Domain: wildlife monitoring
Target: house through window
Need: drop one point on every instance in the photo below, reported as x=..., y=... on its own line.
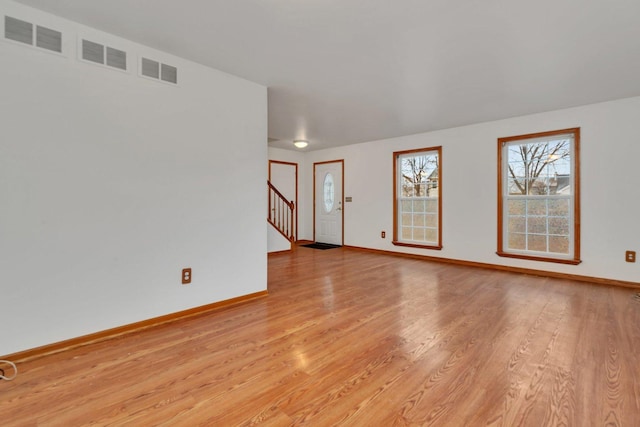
x=417, y=188
x=538, y=196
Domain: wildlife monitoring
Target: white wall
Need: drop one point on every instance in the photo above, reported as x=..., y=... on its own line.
x=276, y=242
x=609, y=183
x=110, y=184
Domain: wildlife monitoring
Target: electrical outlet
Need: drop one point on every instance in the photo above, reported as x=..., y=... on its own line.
x=630, y=256
x=383, y=234
x=186, y=276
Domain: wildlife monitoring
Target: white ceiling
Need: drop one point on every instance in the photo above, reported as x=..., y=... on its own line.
x=346, y=71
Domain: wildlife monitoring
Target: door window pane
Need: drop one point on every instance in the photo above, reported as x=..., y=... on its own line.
x=328, y=191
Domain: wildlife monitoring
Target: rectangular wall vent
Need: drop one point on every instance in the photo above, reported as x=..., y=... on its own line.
x=158, y=71
x=150, y=68
x=169, y=73
x=17, y=30
x=49, y=39
x=93, y=52
x=23, y=32
x=105, y=55
x=116, y=58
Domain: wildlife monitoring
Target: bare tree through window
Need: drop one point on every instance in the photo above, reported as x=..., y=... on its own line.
x=417, y=198
x=420, y=175
x=536, y=168
x=538, y=201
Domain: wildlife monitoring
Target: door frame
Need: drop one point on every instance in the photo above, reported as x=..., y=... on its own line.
x=341, y=161
x=295, y=165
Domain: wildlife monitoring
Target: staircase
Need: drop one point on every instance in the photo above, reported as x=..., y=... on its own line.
x=280, y=214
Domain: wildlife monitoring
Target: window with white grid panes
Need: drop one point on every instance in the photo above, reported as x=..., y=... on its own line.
x=417, y=198
x=538, y=198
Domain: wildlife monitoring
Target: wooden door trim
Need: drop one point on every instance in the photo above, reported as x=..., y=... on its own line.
x=341, y=161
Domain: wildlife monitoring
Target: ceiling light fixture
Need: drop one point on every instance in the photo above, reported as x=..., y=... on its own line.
x=300, y=143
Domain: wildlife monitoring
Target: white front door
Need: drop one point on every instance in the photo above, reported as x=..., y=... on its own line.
x=328, y=202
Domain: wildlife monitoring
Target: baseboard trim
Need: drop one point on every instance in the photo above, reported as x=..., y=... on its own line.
x=286, y=251
x=533, y=272
x=108, y=334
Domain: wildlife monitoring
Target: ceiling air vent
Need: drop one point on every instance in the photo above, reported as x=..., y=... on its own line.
x=158, y=71
x=22, y=31
x=105, y=55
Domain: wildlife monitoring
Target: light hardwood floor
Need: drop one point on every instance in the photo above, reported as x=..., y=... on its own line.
x=354, y=338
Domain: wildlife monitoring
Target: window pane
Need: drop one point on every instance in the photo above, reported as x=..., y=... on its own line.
x=540, y=186
x=431, y=206
x=559, y=225
x=417, y=171
x=536, y=242
x=537, y=207
x=540, y=167
x=517, y=185
x=537, y=224
x=516, y=207
x=431, y=220
x=328, y=192
x=418, y=220
x=431, y=235
x=406, y=233
x=517, y=241
x=559, y=244
x=516, y=224
x=559, y=207
x=418, y=234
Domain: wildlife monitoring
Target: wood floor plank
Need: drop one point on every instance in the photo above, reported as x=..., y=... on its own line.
x=353, y=338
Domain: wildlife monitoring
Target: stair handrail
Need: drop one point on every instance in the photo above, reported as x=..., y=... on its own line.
x=280, y=213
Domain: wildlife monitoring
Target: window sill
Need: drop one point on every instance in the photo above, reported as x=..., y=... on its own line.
x=414, y=245
x=538, y=258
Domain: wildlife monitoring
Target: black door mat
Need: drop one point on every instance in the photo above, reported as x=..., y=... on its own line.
x=322, y=246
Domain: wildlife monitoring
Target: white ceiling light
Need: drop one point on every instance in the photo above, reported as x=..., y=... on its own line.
x=300, y=143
